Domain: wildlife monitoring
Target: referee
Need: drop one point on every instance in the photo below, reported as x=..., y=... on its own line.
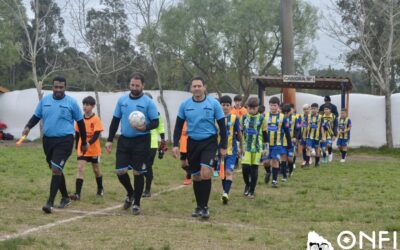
x=200, y=112
x=58, y=112
x=133, y=145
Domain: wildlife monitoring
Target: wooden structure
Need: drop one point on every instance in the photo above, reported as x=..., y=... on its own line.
x=300, y=82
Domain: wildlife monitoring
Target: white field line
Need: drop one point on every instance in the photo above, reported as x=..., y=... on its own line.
x=60, y=222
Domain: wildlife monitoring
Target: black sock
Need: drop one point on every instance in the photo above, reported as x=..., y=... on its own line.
x=228, y=184
x=149, y=180
x=99, y=181
x=205, y=192
x=275, y=172
x=294, y=158
x=323, y=152
x=283, y=169
x=196, y=190
x=223, y=184
x=254, y=177
x=63, y=186
x=78, y=186
x=305, y=154
x=139, y=186
x=316, y=160
x=344, y=153
x=54, y=185
x=329, y=150
x=246, y=174
x=126, y=182
x=188, y=175
x=290, y=165
x=268, y=169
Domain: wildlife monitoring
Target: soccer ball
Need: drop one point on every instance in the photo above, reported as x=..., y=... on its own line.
x=137, y=118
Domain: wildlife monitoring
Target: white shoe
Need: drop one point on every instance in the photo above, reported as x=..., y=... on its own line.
x=330, y=157
x=343, y=160
x=284, y=179
x=313, y=153
x=294, y=165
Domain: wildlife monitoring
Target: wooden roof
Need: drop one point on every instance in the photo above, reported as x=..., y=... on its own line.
x=3, y=90
x=334, y=83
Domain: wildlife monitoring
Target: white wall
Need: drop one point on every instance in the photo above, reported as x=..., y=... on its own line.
x=367, y=112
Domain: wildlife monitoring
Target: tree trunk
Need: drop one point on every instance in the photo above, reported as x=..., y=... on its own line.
x=388, y=118
x=96, y=94
x=162, y=100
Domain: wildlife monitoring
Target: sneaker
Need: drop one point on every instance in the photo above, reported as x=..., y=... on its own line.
x=274, y=184
x=330, y=157
x=48, y=208
x=310, y=161
x=135, y=210
x=284, y=179
x=216, y=174
x=343, y=160
x=187, y=181
x=267, y=177
x=246, y=190
x=225, y=198
x=65, y=201
x=196, y=212
x=294, y=165
x=205, y=214
x=75, y=197
x=100, y=192
x=251, y=195
x=146, y=194
x=128, y=202
x=303, y=163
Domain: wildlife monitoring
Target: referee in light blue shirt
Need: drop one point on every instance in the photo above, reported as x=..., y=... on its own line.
x=200, y=112
x=58, y=112
x=133, y=145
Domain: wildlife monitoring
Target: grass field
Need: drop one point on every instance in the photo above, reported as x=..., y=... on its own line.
x=361, y=195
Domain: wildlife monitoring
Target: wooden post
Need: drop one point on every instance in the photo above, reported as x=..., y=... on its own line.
x=261, y=92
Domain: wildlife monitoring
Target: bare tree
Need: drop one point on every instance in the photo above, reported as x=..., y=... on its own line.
x=147, y=14
x=371, y=35
x=101, y=57
x=35, y=34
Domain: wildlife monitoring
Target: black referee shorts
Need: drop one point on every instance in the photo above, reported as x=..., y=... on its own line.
x=57, y=150
x=201, y=153
x=132, y=153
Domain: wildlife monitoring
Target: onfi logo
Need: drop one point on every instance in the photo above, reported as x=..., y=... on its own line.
x=317, y=242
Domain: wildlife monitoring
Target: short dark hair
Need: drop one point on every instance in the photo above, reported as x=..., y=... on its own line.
x=328, y=106
x=138, y=76
x=253, y=102
x=291, y=105
x=261, y=109
x=199, y=78
x=238, y=98
x=89, y=100
x=60, y=79
x=327, y=98
x=314, y=105
x=286, y=108
x=274, y=100
x=226, y=99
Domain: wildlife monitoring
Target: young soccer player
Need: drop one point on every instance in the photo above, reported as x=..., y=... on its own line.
x=329, y=123
x=314, y=133
x=304, y=119
x=156, y=134
x=277, y=126
x=234, y=135
x=254, y=135
x=183, y=156
x=287, y=156
x=93, y=127
x=237, y=109
x=344, y=134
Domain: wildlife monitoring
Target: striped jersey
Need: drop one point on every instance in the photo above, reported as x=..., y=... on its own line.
x=294, y=126
x=344, y=125
x=329, y=123
x=314, y=127
x=304, y=125
x=276, y=124
x=253, y=126
x=232, y=129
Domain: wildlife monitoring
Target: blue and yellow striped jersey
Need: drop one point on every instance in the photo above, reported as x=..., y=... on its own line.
x=276, y=123
x=253, y=126
x=314, y=127
x=293, y=121
x=232, y=129
x=329, y=123
x=304, y=125
x=344, y=125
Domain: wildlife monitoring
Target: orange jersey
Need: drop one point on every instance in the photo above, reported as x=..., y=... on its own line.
x=183, y=140
x=239, y=112
x=92, y=125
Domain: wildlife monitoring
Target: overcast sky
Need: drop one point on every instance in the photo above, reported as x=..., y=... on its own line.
x=328, y=49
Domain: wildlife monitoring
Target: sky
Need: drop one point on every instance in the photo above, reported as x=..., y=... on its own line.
x=329, y=50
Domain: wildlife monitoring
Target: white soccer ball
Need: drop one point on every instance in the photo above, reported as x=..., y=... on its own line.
x=137, y=118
